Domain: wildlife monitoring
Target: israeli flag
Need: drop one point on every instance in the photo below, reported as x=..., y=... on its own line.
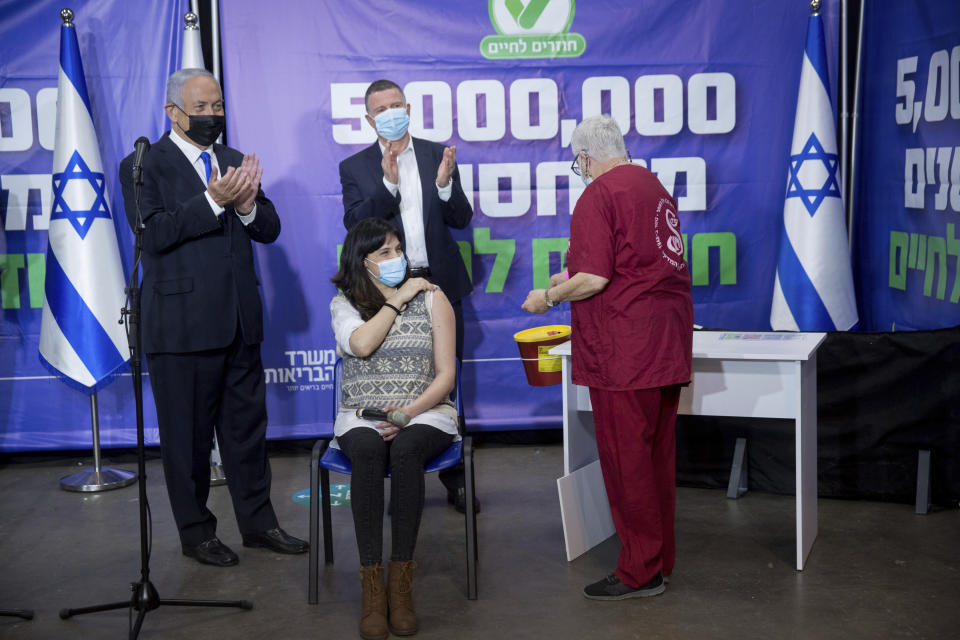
x=81, y=339
x=813, y=290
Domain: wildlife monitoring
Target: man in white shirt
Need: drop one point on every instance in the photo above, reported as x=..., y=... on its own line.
x=415, y=184
x=202, y=321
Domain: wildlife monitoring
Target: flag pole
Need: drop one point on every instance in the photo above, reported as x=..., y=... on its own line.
x=106, y=356
x=854, y=138
x=215, y=38
x=191, y=56
x=97, y=478
x=844, y=99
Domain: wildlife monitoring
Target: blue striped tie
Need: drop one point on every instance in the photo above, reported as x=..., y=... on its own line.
x=206, y=164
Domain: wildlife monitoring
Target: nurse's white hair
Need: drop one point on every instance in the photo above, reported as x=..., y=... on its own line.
x=176, y=81
x=600, y=137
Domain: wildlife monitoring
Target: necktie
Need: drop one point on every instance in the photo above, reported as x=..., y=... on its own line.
x=206, y=164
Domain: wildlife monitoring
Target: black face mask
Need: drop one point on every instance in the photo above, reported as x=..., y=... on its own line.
x=204, y=130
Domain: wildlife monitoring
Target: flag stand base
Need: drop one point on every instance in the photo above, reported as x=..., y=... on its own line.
x=91, y=480
x=217, y=475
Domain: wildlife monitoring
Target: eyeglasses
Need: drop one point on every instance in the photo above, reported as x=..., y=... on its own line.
x=575, y=168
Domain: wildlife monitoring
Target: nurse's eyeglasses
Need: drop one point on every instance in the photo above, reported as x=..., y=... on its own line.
x=575, y=168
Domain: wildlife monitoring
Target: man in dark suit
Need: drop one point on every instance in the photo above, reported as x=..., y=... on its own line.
x=415, y=184
x=202, y=318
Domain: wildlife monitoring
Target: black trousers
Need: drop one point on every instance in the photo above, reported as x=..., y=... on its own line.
x=405, y=456
x=195, y=393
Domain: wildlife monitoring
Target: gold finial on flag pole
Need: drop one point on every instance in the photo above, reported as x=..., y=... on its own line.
x=67, y=16
x=815, y=6
x=190, y=21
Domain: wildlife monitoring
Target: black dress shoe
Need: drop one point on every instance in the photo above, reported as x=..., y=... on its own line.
x=276, y=540
x=213, y=552
x=458, y=499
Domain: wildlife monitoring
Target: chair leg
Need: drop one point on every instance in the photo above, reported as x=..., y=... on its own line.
x=327, y=519
x=922, y=506
x=314, y=560
x=470, y=519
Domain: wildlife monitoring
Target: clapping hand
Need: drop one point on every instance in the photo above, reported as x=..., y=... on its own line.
x=244, y=201
x=238, y=186
x=224, y=190
x=447, y=165
x=389, y=163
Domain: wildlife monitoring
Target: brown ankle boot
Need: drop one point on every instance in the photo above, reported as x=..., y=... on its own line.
x=403, y=619
x=373, y=619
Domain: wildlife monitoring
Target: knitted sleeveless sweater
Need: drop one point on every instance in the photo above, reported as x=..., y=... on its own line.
x=401, y=368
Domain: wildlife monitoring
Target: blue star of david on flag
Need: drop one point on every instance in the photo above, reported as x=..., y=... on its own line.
x=81, y=219
x=811, y=198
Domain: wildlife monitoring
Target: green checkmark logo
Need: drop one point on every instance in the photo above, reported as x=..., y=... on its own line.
x=527, y=16
x=532, y=29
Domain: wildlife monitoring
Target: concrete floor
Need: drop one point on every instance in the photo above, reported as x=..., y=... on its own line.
x=876, y=570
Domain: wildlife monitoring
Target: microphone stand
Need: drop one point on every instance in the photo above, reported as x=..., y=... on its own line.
x=26, y=614
x=144, y=597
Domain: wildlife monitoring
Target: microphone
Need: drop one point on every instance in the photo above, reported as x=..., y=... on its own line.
x=397, y=417
x=141, y=146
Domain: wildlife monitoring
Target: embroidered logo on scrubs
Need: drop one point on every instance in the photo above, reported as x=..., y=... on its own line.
x=666, y=229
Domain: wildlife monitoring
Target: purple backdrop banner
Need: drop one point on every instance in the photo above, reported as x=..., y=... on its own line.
x=907, y=231
x=704, y=93
x=128, y=50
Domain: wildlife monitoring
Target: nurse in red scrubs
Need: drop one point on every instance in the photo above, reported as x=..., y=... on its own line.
x=629, y=288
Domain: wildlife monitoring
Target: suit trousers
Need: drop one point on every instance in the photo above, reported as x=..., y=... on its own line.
x=636, y=440
x=195, y=393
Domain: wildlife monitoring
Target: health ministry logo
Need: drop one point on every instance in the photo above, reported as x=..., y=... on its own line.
x=532, y=29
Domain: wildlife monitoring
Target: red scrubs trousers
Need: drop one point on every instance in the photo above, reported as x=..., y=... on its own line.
x=637, y=445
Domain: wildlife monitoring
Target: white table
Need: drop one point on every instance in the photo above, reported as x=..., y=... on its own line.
x=745, y=374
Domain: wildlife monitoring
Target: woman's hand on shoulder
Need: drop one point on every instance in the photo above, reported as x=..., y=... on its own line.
x=411, y=288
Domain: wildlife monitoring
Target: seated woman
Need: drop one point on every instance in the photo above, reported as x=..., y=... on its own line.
x=397, y=339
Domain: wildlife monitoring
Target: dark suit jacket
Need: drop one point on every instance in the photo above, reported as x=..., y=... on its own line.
x=198, y=273
x=364, y=196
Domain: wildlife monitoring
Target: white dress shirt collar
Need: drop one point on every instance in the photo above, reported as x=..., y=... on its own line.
x=189, y=149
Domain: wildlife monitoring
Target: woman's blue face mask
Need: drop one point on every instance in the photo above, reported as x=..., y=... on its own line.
x=392, y=271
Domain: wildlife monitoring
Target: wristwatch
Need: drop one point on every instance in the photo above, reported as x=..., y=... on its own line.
x=546, y=297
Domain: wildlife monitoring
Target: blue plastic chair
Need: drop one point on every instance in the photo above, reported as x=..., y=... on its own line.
x=325, y=459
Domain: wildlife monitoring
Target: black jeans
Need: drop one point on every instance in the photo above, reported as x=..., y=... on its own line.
x=405, y=456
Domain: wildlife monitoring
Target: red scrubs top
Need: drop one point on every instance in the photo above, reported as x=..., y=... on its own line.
x=638, y=332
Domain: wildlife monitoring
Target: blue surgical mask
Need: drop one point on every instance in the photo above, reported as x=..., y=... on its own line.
x=392, y=271
x=392, y=123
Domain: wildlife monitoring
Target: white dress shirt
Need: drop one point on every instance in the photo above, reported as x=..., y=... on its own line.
x=411, y=204
x=192, y=152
